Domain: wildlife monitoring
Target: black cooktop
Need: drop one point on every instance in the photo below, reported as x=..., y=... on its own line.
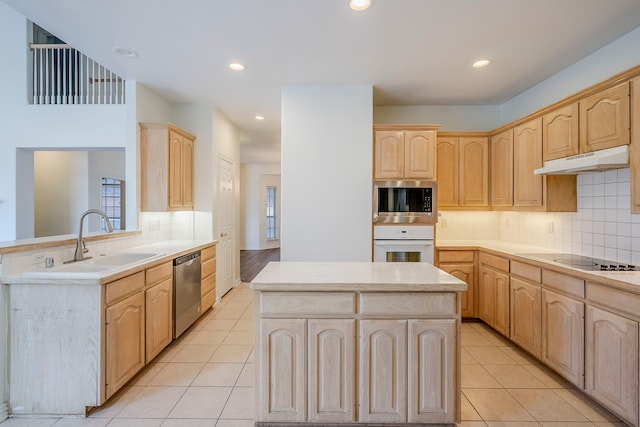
x=584, y=262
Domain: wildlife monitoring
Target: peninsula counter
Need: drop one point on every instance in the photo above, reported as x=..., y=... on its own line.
x=357, y=342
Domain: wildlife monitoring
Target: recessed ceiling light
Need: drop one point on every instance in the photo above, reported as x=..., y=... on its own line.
x=259, y=117
x=481, y=63
x=359, y=5
x=125, y=52
x=236, y=66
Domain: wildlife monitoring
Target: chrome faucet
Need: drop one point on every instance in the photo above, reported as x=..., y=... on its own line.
x=81, y=249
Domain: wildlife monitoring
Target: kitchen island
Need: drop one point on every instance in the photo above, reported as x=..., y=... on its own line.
x=357, y=342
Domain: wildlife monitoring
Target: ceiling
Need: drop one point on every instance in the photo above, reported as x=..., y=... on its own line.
x=414, y=52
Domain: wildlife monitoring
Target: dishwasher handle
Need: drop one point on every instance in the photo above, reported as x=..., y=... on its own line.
x=186, y=258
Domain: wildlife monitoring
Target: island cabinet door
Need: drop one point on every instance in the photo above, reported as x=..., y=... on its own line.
x=332, y=375
x=431, y=371
x=383, y=371
x=282, y=355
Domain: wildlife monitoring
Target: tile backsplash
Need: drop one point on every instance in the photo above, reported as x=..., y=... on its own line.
x=603, y=227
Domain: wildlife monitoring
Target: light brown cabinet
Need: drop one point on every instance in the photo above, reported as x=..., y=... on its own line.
x=208, y=281
x=604, y=119
x=125, y=340
x=634, y=148
x=563, y=336
x=611, y=362
x=166, y=156
x=493, y=292
x=461, y=264
x=527, y=156
x=502, y=169
x=560, y=136
x=526, y=300
x=158, y=309
x=404, y=154
x=463, y=172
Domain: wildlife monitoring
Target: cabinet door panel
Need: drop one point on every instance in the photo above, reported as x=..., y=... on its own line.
x=502, y=306
x=474, y=171
x=420, y=151
x=464, y=272
x=525, y=316
x=604, y=119
x=563, y=336
x=187, y=172
x=159, y=318
x=332, y=370
x=611, y=362
x=282, y=355
x=486, y=295
x=175, y=170
x=125, y=333
x=383, y=375
x=447, y=178
x=431, y=371
x=527, y=156
x=502, y=169
x=560, y=133
x=389, y=154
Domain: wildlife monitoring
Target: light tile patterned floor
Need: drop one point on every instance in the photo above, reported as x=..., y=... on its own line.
x=205, y=379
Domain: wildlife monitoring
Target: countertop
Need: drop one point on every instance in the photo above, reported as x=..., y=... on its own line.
x=161, y=251
x=625, y=280
x=355, y=276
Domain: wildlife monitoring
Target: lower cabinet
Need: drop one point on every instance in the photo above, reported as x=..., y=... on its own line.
x=563, y=336
x=493, y=289
x=611, y=362
x=125, y=341
x=466, y=273
x=159, y=318
x=405, y=370
x=525, y=315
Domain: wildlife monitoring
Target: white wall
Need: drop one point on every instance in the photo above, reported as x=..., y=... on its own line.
x=254, y=179
x=461, y=118
x=326, y=173
x=61, y=191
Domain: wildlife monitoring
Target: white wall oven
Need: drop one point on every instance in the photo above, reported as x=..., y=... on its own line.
x=403, y=243
x=404, y=202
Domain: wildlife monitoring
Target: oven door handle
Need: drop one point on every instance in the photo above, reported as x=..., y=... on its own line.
x=404, y=242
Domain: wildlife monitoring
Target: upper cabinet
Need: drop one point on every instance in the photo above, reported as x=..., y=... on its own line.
x=527, y=156
x=463, y=172
x=560, y=133
x=404, y=153
x=502, y=169
x=166, y=154
x=634, y=148
x=604, y=119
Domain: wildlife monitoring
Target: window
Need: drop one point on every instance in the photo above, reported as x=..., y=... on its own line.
x=112, y=203
x=272, y=232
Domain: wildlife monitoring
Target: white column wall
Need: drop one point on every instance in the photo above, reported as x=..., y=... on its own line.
x=327, y=156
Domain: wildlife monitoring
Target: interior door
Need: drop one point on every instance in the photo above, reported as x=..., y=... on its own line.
x=225, y=251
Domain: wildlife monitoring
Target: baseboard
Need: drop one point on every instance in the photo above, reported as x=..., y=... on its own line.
x=4, y=411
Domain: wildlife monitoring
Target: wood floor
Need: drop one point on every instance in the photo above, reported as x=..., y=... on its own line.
x=251, y=262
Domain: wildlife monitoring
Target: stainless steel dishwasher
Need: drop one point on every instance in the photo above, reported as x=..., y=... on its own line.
x=186, y=291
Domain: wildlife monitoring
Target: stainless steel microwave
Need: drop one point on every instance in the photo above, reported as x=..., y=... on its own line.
x=405, y=202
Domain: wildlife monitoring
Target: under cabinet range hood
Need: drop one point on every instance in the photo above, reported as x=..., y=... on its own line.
x=610, y=158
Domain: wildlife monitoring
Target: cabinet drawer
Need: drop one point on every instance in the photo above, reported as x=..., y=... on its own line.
x=567, y=284
x=526, y=271
x=616, y=299
x=208, y=253
x=208, y=283
x=207, y=301
x=159, y=272
x=494, y=261
x=120, y=288
x=208, y=267
x=307, y=303
x=407, y=303
x=455, y=256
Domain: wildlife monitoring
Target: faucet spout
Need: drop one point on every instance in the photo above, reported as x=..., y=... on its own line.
x=80, y=249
